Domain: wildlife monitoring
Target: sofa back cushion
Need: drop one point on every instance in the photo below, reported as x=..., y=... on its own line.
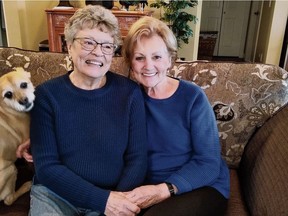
x=263, y=169
x=242, y=95
x=41, y=65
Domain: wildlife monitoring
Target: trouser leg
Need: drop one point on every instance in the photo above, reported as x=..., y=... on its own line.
x=45, y=202
x=204, y=201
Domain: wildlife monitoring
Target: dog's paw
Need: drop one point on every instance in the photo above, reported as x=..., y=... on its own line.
x=26, y=186
x=9, y=200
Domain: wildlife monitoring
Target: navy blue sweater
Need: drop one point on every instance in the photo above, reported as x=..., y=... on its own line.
x=88, y=142
x=183, y=141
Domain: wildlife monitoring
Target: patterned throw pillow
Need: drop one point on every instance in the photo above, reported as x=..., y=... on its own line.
x=243, y=97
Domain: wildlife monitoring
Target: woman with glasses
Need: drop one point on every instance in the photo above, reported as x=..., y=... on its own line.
x=88, y=137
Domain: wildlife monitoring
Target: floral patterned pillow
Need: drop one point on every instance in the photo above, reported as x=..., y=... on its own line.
x=243, y=97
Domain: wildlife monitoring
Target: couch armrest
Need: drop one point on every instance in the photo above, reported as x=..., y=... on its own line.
x=264, y=168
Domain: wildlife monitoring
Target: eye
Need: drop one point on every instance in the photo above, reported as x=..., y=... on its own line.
x=8, y=94
x=107, y=46
x=24, y=85
x=88, y=42
x=157, y=57
x=139, y=58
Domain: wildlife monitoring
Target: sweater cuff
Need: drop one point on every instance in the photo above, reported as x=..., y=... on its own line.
x=182, y=184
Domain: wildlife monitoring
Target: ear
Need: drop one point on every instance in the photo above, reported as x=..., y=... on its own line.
x=21, y=70
x=28, y=74
x=131, y=73
x=69, y=45
x=170, y=62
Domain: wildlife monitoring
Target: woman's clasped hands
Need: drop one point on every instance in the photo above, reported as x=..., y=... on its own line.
x=148, y=195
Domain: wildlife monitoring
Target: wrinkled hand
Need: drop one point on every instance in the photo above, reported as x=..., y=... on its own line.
x=148, y=195
x=22, y=151
x=118, y=204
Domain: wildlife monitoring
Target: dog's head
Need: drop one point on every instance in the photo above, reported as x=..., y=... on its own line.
x=17, y=90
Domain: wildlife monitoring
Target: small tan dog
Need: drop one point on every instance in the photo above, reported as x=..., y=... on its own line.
x=17, y=97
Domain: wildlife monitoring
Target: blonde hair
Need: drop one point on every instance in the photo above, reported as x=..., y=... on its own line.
x=92, y=16
x=148, y=27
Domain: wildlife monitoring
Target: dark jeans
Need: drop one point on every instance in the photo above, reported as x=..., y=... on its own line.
x=204, y=201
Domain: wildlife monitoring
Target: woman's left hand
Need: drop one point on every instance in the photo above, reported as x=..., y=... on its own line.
x=23, y=151
x=148, y=195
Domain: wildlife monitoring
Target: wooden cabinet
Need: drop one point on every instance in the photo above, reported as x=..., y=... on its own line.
x=56, y=19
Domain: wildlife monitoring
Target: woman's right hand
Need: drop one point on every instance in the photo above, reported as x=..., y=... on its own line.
x=118, y=204
x=23, y=151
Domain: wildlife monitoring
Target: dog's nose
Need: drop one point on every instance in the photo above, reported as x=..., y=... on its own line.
x=24, y=101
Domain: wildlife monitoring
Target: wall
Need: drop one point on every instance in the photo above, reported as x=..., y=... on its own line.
x=26, y=22
x=276, y=36
x=272, y=29
x=190, y=51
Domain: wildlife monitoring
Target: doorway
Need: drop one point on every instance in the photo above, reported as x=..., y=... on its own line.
x=237, y=24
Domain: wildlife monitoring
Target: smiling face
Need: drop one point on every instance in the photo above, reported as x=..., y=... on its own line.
x=90, y=65
x=150, y=61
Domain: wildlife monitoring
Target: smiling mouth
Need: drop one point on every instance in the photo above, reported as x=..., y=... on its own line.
x=149, y=74
x=100, y=64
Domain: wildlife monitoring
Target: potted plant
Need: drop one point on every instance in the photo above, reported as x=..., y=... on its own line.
x=177, y=19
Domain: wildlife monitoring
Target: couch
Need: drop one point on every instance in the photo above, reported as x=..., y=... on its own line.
x=250, y=105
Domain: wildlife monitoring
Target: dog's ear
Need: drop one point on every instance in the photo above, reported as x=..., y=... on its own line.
x=21, y=70
x=28, y=74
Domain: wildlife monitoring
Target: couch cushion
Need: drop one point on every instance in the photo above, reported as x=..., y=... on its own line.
x=41, y=65
x=264, y=168
x=236, y=203
x=243, y=96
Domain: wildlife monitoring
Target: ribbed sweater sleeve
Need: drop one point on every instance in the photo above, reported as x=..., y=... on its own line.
x=87, y=143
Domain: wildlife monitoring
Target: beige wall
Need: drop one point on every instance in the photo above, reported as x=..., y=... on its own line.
x=272, y=29
x=26, y=22
x=276, y=36
x=190, y=51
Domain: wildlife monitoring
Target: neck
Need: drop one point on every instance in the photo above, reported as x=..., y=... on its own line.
x=85, y=82
x=164, y=89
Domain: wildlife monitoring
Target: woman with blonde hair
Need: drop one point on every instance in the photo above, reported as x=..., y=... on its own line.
x=186, y=174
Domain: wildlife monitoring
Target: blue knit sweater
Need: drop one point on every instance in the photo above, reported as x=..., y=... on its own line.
x=88, y=142
x=183, y=142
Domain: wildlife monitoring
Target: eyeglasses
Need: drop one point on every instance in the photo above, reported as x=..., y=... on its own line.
x=90, y=44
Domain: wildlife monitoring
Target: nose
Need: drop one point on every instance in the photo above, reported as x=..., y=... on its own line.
x=23, y=101
x=148, y=64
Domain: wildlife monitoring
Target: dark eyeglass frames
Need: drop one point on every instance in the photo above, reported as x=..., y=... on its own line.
x=90, y=44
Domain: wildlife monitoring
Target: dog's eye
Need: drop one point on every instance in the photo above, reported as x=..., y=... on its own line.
x=23, y=85
x=8, y=94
